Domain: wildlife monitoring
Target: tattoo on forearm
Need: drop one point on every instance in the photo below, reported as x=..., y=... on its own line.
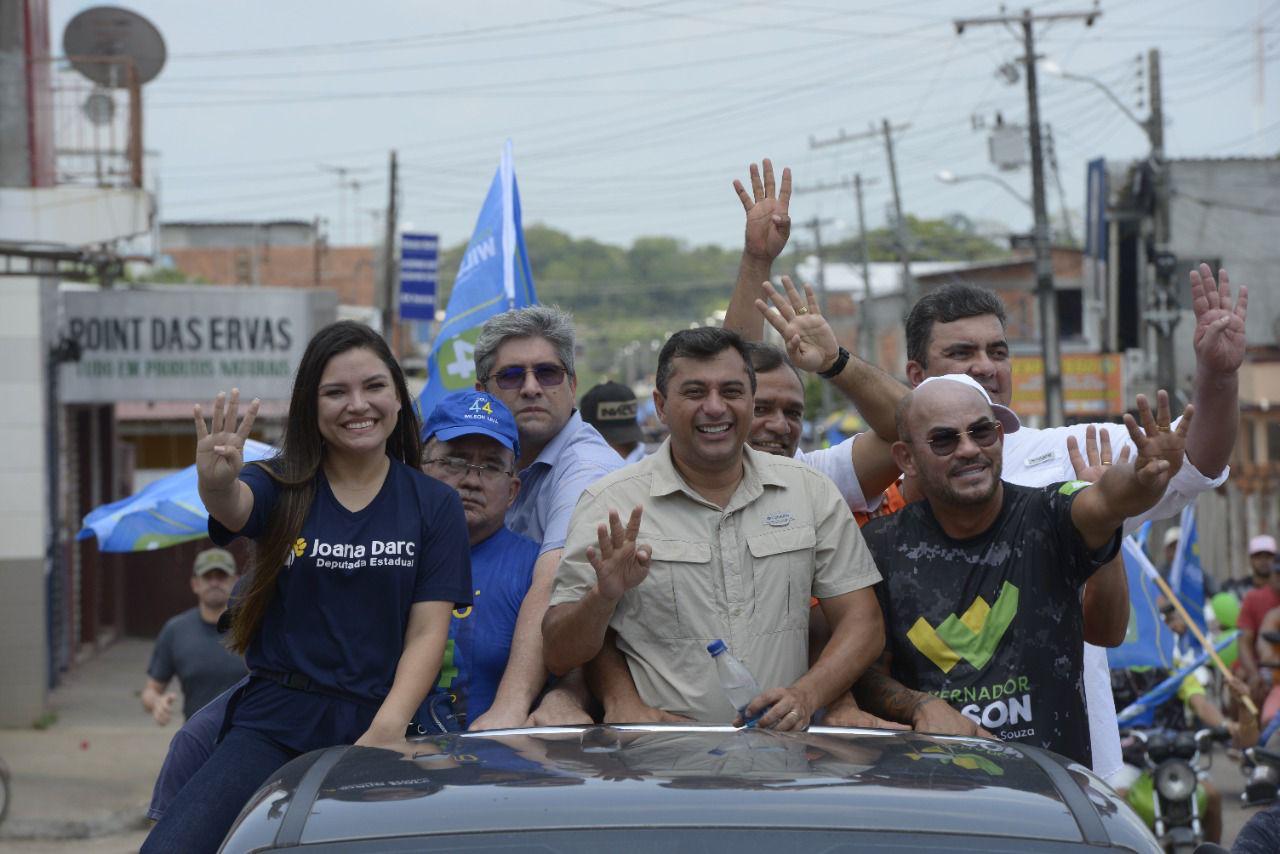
x=879, y=693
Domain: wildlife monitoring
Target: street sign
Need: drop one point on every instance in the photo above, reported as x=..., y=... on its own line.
x=419, y=261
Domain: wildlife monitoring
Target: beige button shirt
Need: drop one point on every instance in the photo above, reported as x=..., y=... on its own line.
x=744, y=573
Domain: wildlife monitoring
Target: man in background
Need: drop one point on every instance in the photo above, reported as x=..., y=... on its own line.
x=611, y=408
x=189, y=646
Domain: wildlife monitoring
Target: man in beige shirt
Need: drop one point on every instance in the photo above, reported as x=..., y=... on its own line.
x=723, y=542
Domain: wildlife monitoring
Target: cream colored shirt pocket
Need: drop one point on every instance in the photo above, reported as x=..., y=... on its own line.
x=678, y=599
x=782, y=566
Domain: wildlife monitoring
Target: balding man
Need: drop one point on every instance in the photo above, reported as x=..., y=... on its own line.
x=981, y=592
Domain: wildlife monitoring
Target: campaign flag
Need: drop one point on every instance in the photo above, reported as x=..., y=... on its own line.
x=1148, y=642
x=1141, y=712
x=1186, y=575
x=494, y=276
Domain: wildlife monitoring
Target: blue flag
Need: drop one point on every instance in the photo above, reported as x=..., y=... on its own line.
x=1141, y=712
x=1148, y=642
x=494, y=276
x=1186, y=575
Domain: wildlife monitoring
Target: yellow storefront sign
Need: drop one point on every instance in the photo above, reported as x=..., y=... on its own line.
x=1092, y=384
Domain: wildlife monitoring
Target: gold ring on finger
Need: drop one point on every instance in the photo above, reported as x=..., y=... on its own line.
x=804, y=309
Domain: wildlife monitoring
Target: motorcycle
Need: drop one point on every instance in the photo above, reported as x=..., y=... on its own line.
x=1168, y=796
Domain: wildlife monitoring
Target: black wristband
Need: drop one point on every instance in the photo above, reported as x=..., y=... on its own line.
x=837, y=366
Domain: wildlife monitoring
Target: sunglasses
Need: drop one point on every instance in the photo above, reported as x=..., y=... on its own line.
x=512, y=378
x=1167, y=610
x=944, y=442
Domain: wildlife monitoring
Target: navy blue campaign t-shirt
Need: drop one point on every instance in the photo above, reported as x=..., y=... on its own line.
x=480, y=635
x=342, y=599
x=993, y=624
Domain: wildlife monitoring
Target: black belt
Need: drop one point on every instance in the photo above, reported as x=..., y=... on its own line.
x=302, y=682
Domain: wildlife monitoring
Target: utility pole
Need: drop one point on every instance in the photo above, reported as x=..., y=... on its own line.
x=1047, y=297
x=1162, y=307
x=1057, y=179
x=866, y=328
x=909, y=290
x=815, y=225
x=389, y=266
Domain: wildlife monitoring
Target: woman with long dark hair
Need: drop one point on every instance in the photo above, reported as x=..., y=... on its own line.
x=359, y=560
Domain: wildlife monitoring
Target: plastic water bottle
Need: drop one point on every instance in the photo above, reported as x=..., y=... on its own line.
x=738, y=683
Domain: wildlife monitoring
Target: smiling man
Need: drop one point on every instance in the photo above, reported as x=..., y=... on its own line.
x=981, y=595
x=723, y=542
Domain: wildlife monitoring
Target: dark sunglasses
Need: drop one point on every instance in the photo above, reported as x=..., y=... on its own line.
x=944, y=442
x=513, y=377
x=1167, y=610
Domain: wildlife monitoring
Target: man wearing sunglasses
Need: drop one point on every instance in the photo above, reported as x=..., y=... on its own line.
x=981, y=591
x=524, y=358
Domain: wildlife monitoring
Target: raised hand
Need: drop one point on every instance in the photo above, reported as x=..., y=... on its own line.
x=619, y=563
x=1219, y=333
x=1160, y=448
x=768, y=223
x=1098, y=459
x=220, y=447
x=811, y=344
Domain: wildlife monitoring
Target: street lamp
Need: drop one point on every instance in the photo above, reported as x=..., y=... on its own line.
x=1051, y=67
x=946, y=176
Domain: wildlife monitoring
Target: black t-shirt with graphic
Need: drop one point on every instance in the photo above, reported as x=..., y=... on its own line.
x=993, y=624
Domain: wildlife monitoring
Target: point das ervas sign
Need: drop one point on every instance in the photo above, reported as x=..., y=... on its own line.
x=187, y=343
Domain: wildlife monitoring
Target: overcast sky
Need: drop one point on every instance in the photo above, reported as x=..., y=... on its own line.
x=633, y=118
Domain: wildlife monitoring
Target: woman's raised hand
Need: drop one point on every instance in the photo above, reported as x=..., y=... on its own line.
x=220, y=448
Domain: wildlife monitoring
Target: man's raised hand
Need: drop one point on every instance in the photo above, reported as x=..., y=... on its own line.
x=1219, y=333
x=619, y=563
x=811, y=344
x=1160, y=448
x=768, y=222
x=1098, y=457
x=220, y=447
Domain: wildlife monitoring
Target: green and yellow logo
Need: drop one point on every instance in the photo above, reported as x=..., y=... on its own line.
x=967, y=761
x=973, y=636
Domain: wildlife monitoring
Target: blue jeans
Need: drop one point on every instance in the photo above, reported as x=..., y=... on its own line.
x=202, y=813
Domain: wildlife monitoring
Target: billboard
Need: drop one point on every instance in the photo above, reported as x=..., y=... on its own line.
x=1092, y=385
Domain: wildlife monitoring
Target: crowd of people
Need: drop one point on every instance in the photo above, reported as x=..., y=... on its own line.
x=515, y=558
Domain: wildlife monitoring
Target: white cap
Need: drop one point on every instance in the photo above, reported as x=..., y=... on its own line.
x=1003, y=414
x=1262, y=543
x=1172, y=536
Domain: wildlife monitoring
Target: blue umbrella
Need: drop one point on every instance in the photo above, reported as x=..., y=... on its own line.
x=167, y=512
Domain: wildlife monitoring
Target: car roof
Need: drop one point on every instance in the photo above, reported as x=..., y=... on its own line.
x=648, y=776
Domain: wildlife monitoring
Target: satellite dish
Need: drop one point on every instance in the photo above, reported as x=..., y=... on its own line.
x=109, y=31
x=99, y=108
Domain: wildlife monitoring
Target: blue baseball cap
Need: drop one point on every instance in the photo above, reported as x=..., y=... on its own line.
x=466, y=413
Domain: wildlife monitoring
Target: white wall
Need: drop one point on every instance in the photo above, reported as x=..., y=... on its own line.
x=23, y=505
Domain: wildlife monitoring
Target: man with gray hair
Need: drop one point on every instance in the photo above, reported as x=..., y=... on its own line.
x=524, y=358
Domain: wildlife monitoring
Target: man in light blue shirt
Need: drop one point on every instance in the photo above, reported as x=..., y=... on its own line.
x=524, y=358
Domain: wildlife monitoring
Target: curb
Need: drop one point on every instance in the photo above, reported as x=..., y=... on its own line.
x=107, y=824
